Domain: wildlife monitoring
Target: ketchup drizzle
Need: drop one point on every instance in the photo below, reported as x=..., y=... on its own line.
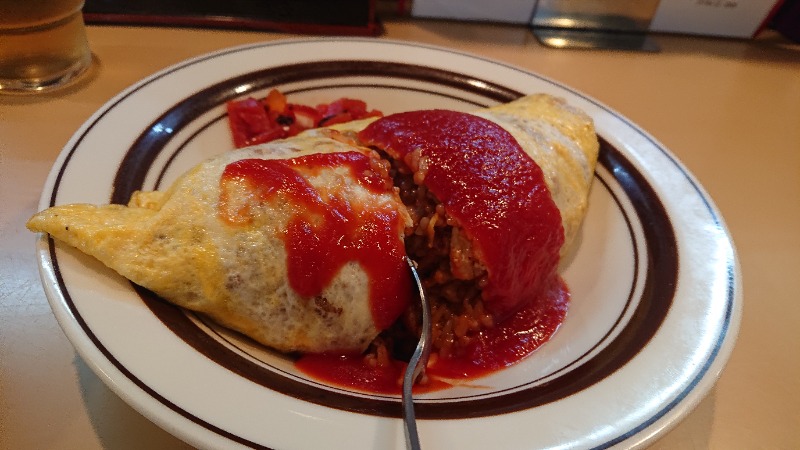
x=324, y=234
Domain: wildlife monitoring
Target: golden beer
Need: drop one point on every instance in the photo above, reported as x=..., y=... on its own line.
x=42, y=44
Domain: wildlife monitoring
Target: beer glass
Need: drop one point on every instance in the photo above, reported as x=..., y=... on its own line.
x=42, y=44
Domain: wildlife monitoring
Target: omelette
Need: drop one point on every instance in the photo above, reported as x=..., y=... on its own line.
x=300, y=244
x=561, y=139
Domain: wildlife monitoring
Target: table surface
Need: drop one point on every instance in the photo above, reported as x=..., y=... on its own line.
x=729, y=109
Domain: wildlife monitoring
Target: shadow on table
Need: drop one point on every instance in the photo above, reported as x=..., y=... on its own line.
x=117, y=425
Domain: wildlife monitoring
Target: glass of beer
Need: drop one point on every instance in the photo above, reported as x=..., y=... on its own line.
x=42, y=44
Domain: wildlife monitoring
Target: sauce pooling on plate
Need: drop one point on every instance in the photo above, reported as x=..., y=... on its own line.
x=496, y=348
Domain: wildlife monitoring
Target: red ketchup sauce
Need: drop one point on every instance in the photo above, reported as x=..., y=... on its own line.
x=493, y=190
x=324, y=234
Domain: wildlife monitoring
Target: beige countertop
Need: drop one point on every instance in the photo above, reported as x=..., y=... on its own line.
x=729, y=110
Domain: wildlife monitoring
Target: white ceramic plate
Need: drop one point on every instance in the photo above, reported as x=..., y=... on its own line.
x=655, y=281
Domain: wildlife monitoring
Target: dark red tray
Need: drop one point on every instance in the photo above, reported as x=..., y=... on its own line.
x=347, y=17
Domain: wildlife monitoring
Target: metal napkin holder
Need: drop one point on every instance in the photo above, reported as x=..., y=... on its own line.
x=595, y=24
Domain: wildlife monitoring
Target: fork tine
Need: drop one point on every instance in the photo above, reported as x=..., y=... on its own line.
x=415, y=366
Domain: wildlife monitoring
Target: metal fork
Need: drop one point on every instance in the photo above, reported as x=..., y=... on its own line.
x=418, y=361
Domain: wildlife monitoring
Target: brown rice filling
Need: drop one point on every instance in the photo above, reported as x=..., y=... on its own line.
x=450, y=273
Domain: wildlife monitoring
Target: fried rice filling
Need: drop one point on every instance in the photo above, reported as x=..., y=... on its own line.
x=451, y=274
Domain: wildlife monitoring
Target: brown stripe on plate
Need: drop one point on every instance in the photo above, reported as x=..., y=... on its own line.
x=660, y=274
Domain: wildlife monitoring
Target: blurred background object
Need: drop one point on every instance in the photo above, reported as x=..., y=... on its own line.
x=621, y=24
x=614, y=24
x=786, y=20
x=506, y=11
x=43, y=45
x=351, y=17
